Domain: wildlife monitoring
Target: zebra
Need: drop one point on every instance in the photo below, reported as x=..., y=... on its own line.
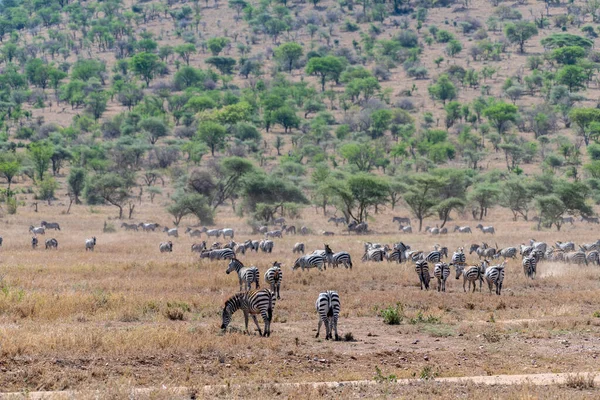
x=396, y=255
x=239, y=249
x=263, y=229
x=40, y=230
x=590, y=220
x=166, y=247
x=51, y=244
x=357, y=228
x=591, y=246
x=252, y=245
x=477, y=249
x=216, y=246
x=444, y=231
x=375, y=255
x=193, y=232
x=568, y=220
x=405, y=229
x=494, y=275
x=219, y=254
x=274, y=234
x=266, y=246
x=337, y=220
x=422, y=269
x=486, y=229
x=279, y=221
x=434, y=231
x=441, y=271
x=227, y=232
x=90, y=243
x=298, y=248
x=525, y=250
x=129, y=227
x=304, y=230
x=554, y=255
x=328, y=308
x=211, y=232
x=252, y=302
x=230, y=245
x=290, y=230
x=472, y=274
x=401, y=220
x=508, y=252
x=577, y=257
x=434, y=257
x=310, y=261
x=593, y=257
x=458, y=257
x=34, y=242
x=50, y=225
x=538, y=245
x=171, y=232
x=568, y=246
x=335, y=259
x=147, y=227
x=245, y=274
x=328, y=233
x=199, y=247
x=462, y=229
x=274, y=277
x=529, y=266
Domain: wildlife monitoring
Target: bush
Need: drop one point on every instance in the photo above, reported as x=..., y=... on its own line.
x=393, y=315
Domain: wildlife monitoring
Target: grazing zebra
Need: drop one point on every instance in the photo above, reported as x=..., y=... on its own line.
x=542, y=246
x=51, y=244
x=90, y=244
x=50, y=225
x=405, y=229
x=129, y=227
x=444, y=231
x=147, y=227
x=266, y=246
x=568, y=246
x=37, y=231
x=459, y=258
x=529, y=266
x=239, y=249
x=477, y=249
x=310, y=261
x=263, y=229
x=396, y=255
x=590, y=220
x=252, y=302
x=508, y=252
x=593, y=257
x=230, y=245
x=472, y=274
x=358, y=227
x=290, y=230
x=433, y=231
x=211, y=232
x=304, y=230
x=166, y=247
x=422, y=269
x=462, y=229
x=376, y=255
x=252, y=245
x=337, y=259
x=171, y=232
x=219, y=254
x=245, y=274
x=227, y=232
x=577, y=257
x=274, y=277
x=494, y=276
x=553, y=254
x=328, y=307
x=199, y=247
x=441, y=271
x=298, y=248
x=193, y=232
x=401, y=220
x=34, y=242
x=328, y=233
x=279, y=221
x=568, y=220
x=434, y=257
x=486, y=229
x=591, y=246
x=274, y=234
x=525, y=250
x=338, y=220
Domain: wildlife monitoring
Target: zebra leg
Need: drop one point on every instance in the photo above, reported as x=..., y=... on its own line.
x=278, y=297
x=319, y=327
x=439, y=284
x=258, y=326
x=246, y=321
x=465, y=283
x=335, y=319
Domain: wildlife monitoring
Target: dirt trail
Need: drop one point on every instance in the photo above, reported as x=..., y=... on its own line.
x=529, y=379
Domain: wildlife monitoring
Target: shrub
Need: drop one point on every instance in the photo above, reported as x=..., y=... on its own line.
x=393, y=315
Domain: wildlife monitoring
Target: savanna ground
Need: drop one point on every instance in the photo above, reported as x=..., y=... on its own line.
x=109, y=320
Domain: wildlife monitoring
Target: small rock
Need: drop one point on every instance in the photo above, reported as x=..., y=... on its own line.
x=416, y=341
x=426, y=358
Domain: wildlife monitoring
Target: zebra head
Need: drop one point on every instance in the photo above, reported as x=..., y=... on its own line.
x=328, y=249
x=232, y=266
x=296, y=264
x=459, y=270
x=473, y=248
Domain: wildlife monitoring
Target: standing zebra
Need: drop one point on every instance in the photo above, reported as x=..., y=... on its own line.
x=459, y=258
x=472, y=275
x=274, y=277
x=462, y=229
x=441, y=272
x=328, y=307
x=494, y=275
x=508, y=252
x=434, y=256
x=171, y=232
x=422, y=269
x=298, y=248
x=252, y=302
x=245, y=274
x=335, y=259
x=568, y=246
x=90, y=244
x=166, y=247
x=51, y=244
x=529, y=266
x=199, y=247
x=577, y=257
x=266, y=246
x=310, y=261
x=50, y=225
x=34, y=242
x=376, y=255
x=486, y=229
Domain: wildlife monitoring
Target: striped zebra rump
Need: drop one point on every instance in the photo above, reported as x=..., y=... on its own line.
x=274, y=277
x=328, y=308
x=434, y=257
x=341, y=258
x=593, y=257
x=529, y=266
x=577, y=257
x=494, y=276
x=441, y=272
x=422, y=269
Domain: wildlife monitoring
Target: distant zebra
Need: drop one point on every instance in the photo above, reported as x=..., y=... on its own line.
x=591, y=246
x=266, y=246
x=494, y=276
x=298, y=248
x=274, y=277
x=335, y=259
x=166, y=247
x=51, y=244
x=593, y=257
x=434, y=231
x=304, y=230
x=171, y=232
x=310, y=261
x=538, y=245
x=37, y=231
x=422, y=269
x=357, y=228
x=577, y=257
x=441, y=271
x=328, y=307
x=376, y=255
x=263, y=229
x=568, y=220
x=249, y=275
x=405, y=229
x=220, y=254
x=34, y=242
x=279, y=221
x=568, y=246
x=396, y=255
x=1, y=241
x=251, y=303
x=193, y=232
x=198, y=247
x=50, y=225
x=459, y=258
x=227, y=232
x=129, y=227
x=90, y=244
x=147, y=227
x=401, y=220
x=590, y=220
x=211, y=232
x=462, y=229
x=529, y=266
x=486, y=229
x=471, y=274
x=290, y=230
x=508, y=252
x=328, y=233
x=274, y=234
x=337, y=220
x=239, y=249
x=443, y=231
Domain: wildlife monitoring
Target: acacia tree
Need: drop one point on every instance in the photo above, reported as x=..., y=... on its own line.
x=145, y=65
x=76, y=183
x=185, y=204
x=212, y=134
x=422, y=196
x=328, y=68
x=9, y=168
x=484, y=196
x=358, y=193
x=288, y=54
x=500, y=115
x=40, y=154
x=111, y=188
x=517, y=197
x=230, y=172
x=520, y=32
x=447, y=206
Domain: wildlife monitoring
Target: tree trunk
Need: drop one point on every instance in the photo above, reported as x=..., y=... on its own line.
x=420, y=224
x=120, y=212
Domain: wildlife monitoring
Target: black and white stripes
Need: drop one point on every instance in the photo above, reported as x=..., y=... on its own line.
x=328, y=307
x=252, y=302
x=248, y=275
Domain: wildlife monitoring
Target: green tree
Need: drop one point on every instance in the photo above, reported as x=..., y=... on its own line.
x=212, y=134
x=145, y=65
x=40, y=154
x=111, y=188
x=286, y=117
x=520, y=32
x=551, y=210
x=443, y=89
x=223, y=64
x=358, y=193
x=232, y=171
x=288, y=54
x=568, y=55
x=500, y=115
x=154, y=127
x=572, y=76
x=217, y=44
x=185, y=204
x=185, y=51
x=585, y=120
x=328, y=68
x=267, y=195
x=517, y=197
x=557, y=40
x=422, y=196
x=9, y=168
x=96, y=103
x=445, y=207
x=76, y=181
x=362, y=155
x=87, y=69
x=453, y=47
x=484, y=196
